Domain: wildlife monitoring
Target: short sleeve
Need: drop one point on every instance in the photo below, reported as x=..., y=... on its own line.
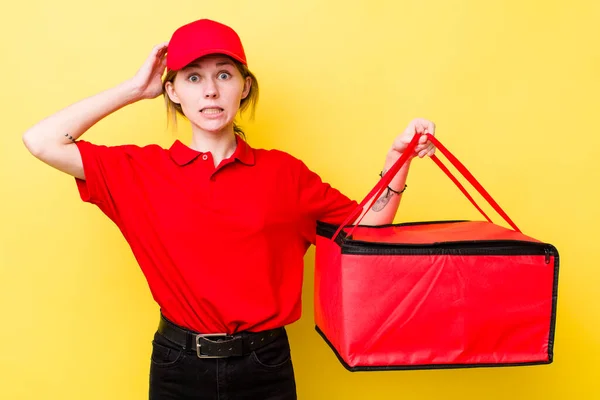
x=108, y=175
x=319, y=201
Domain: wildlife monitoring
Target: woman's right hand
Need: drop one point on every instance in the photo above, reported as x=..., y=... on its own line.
x=147, y=82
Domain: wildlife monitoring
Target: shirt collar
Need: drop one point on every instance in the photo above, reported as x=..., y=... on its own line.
x=182, y=154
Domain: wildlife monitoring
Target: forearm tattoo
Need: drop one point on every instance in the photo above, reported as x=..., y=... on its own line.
x=69, y=137
x=382, y=201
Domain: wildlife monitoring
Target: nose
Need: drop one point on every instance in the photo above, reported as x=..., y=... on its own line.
x=210, y=91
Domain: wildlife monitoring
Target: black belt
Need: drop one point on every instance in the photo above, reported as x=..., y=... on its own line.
x=217, y=345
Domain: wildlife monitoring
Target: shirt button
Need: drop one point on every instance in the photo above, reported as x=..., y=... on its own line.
x=205, y=157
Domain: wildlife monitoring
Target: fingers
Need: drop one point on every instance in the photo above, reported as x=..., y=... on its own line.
x=159, y=50
x=417, y=126
x=425, y=147
x=427, y=150
x=160, y=46
x=424, y=126
x=424, y=152
x=429, y=127
x=422, y=149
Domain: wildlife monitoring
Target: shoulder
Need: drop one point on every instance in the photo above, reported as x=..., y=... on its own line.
x=278, y=158
x=131, y=151
x=287, y=167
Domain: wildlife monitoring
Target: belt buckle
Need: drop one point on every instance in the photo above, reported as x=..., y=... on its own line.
x=207, y=335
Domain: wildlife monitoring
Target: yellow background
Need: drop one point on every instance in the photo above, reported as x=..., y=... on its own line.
x=513, y=87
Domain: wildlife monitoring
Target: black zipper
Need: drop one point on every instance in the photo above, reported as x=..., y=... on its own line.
x=471, y=247
x=327, y=230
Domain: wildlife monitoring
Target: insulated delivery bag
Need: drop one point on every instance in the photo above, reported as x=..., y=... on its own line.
x=441, y=294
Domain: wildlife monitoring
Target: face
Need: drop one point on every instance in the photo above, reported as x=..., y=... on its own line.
x=209, y=91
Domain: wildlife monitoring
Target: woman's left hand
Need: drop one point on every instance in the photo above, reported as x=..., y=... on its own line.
x=424, y=147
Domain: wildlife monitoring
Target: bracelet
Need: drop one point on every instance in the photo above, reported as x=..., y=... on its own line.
x=398, y=193
x=392, y=190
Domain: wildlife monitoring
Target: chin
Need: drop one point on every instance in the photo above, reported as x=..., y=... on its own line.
x=214, y=127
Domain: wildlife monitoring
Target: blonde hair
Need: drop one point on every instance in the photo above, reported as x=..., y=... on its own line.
x=250, y=101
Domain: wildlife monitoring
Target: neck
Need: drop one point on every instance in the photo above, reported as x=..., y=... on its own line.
x=220, y=144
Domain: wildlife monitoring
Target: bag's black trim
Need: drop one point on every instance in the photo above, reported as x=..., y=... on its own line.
x=327, y=230
x=426, y=366
x=554, y=308
x=462, y=247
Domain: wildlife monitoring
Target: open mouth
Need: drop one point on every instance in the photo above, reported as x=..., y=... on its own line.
x=211, y=110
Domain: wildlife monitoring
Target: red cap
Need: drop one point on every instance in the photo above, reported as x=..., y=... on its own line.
x=200, y=38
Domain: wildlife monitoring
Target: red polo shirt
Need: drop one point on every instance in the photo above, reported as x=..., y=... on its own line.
x=221, y=248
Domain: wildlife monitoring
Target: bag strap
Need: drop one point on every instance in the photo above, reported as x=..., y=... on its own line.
x=465, y=172
x=460, y=186
x=387, y=178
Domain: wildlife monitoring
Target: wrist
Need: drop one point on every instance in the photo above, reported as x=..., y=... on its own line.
x=391, y=158
x=390, y=190
x=131, y=91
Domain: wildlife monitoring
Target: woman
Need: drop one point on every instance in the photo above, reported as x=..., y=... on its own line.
x=219, y=228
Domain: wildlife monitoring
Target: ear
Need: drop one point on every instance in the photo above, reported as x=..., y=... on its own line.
x=247, y=86
x=170, y=88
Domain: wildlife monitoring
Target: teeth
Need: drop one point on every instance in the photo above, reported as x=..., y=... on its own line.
x=211, y=110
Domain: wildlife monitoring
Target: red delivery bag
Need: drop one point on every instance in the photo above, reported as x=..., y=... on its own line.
x=441, y=294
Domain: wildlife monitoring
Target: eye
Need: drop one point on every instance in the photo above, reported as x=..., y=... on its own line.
x=224, y=75
x=193, y=78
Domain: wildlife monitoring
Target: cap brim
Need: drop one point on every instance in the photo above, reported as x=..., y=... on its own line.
x=181, y=62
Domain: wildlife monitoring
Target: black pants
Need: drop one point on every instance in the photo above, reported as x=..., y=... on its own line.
x=265, y=374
